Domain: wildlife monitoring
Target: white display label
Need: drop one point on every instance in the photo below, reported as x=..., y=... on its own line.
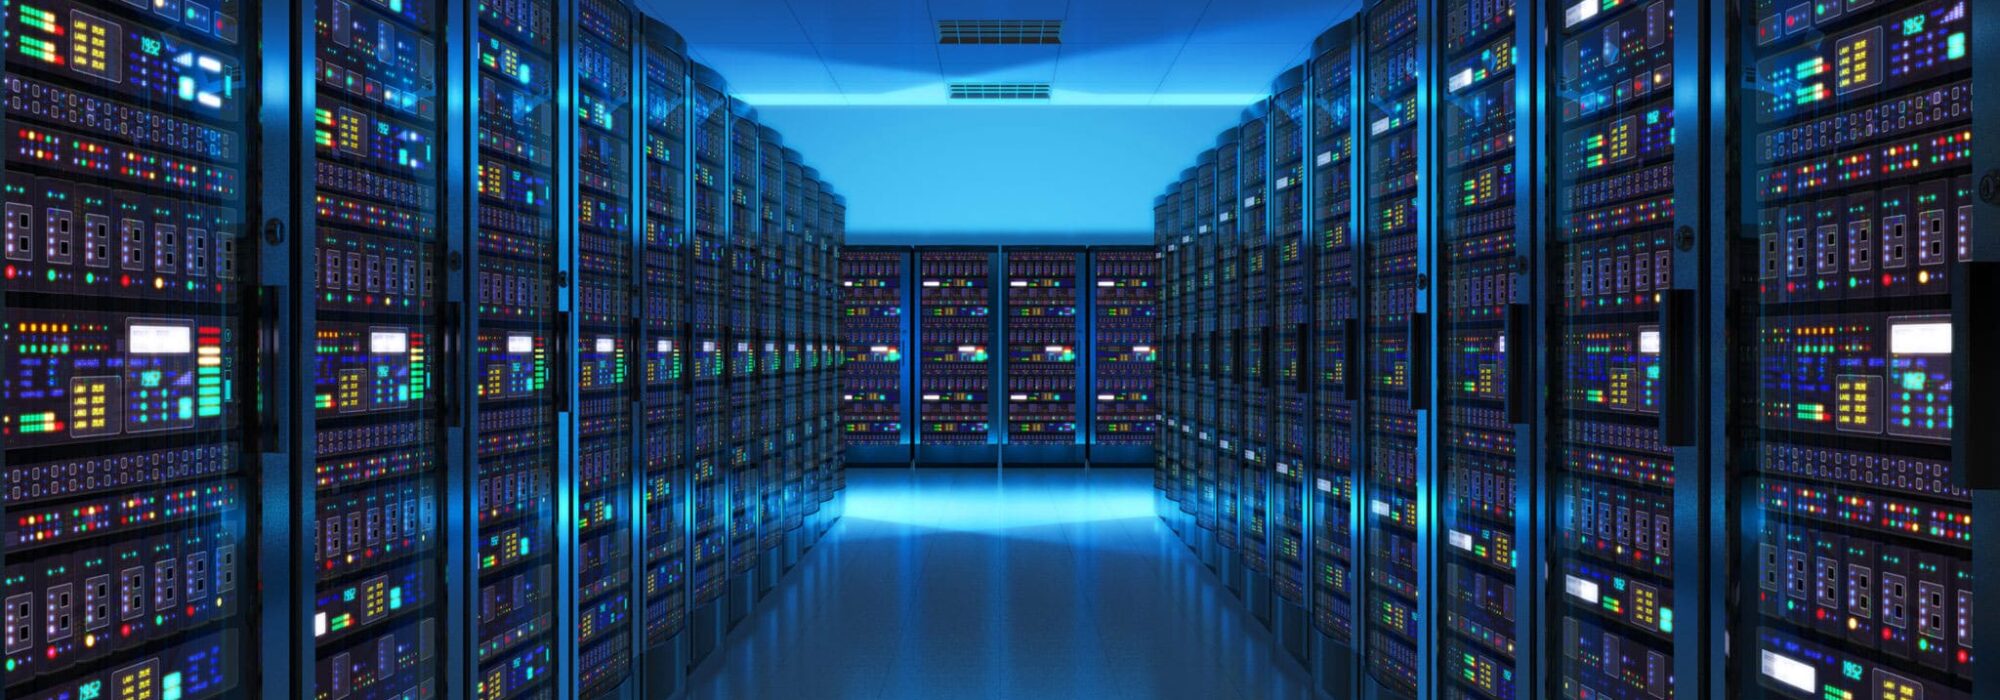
x=1018, y=283
x=933, y=283
x=142, y=339
x=1649, y=342
x=878, y=348
x=968, y=348
x=1107, y=397
x=1920, y=338
x=1225, y=443
x=1380, y=508
x=1581, y=589
x=1284, y=468
x=1142, y=348
x=1787, y=670
x=932, y=397
x=662, y=346
x=1017, y=397
x=388, y=342
x=319, y=624
x=1461, y=540
x=1579, y=12
x=1325, y=486
x=1326, y=158
x=1106, y=283
x=520, y=344
x=1459, y=80
x=1052, y=348
x=1379, y=126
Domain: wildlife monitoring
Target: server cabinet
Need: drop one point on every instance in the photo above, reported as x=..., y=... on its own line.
x=796, y=330
x=768, y=440
x=606, y=420
x=1196, y=492
x=665, y=326
x=1483, y=470
x=1042, y=328
x=1221, y=308
x=127, y=354
x=1124, y=341
x=1166, y=444
x=1289, y=378
x=742, y=302
x=1335, y=338
x=827, y=407
x=1626, y=88
x=1247, y=409
x=1395, y=366
x=709, y=277
x=382, y=319
x=1851, y=213
x=956, y=373
x=813, y=204
x=875, y=409
x=519, y=337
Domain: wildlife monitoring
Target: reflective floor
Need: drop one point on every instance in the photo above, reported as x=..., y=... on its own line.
x=974, y=584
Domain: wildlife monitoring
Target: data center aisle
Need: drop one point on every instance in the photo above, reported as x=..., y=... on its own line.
x=975, y=584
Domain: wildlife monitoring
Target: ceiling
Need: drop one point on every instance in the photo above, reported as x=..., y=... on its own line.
x=1113, y=52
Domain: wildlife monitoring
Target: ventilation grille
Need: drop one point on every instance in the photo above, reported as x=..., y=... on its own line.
x=999, y=91
x=1000, y=31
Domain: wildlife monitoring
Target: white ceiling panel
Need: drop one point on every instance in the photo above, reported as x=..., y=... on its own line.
x=1228, y=68
x=866, y=21
x=880, y=63
x=997, y=9
x=730, y=21
x=1266, y=21
x=1123, y=64
x=998, y=63
x=765, y=68
x=1132, y=21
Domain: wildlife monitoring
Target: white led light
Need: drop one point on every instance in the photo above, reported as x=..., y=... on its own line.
x=1052, y=348
x=1579, y=12
x=388, y=342
x=968, y=348
x=606, y=344
x=520, y=344
x=1379, y=126
x=208, y=63
x=1017, y=397
x=1380, y=508
x=1787, y=670
x=141, y=339
x=319, y=624
x=1649, y=342
x=1107, y=397
x=1142, y=348
x=1017, y=283
x=1459, y=80
x=932, y=397
x=1461, y=540
x=878, y=348
x=1581, y=589
x=1106, y=283
x=1920, y=338
x=1326, y=158
x=662, y=346
x=933, y=283
x=1325, y=486
x=1284, y=468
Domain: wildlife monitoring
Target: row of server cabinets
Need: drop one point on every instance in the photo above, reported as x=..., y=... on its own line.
x=373, y=349
x=1600, y=349
x=1025, y=355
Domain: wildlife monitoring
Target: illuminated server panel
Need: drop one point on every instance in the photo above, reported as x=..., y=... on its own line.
x=955, y=371
x=1391, y=361
x=795, y=324
x=601, y=54
x=743, y=302
x=1335, y=336
x=1197, y=464
x=708, y=276
x=1611, y=486
x=127, y=534
x=1482, y=204
x=376, y=252
x=814, y=282
x=1857, y=199
x=1125, y=343
x=1042, y=342
x=769, y=436
x=663, y=343
x=1220, y=309
x=1249, y=311
x=1289, y=377
x=874, y=409
x=1166, y=444
x=515, y=595
x=832, y=453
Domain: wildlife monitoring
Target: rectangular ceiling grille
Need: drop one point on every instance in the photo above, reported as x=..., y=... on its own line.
x=1000, y=31
x=999, y=91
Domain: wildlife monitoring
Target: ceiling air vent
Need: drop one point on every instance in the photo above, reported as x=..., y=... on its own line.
x=999, y=91
x=999, y=31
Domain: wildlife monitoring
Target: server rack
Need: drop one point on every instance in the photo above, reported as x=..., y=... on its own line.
x=1484, y=473
x=768, y=440
x=1195, y=491
x=956, y=374
x=831, y=453
x=1290, y=376
x=707, y=404
x=1043, y=329
x=124, y=369
x=666, y=330
x=1125, y=345
x=1246, y=377
x=1851, y=524
x=815, y=226
x=875, y=330
x=796, y=325
x=741, y=303
x=1335, y=339
x=605, y=166
x=1166, y=444
x=1395, y=358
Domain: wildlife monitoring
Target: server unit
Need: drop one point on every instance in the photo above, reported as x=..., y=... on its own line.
x=1123, y=340
x=1043, y=332
x=955, y=374
x=875, y=330
x=1335, y=336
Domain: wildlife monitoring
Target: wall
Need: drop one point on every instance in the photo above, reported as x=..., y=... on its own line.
x=1002, y=174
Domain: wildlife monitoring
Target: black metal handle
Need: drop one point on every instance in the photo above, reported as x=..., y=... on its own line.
x=261, y=432
x=1302, y=358
x=453, y=349
x=1678, y=336
x=565, y=372
x=1975, y=433
x=1350, y=360
x=1520, y=387
x=1419, y=379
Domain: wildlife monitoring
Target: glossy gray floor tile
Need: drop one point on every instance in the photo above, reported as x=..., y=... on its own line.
x=978, y=584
